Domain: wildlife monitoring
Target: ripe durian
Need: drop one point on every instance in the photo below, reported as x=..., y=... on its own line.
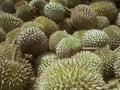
x=79, y=34
x=105, y=8
x=55, y=38
x=90, y=57
x=49, y=25
x=118, y=20
x=108, y=57
x=95, y=38
x=9, y=22
x=26, y=12
x=83, y=17
x=68, y=47
x=114, y=36
x=39, y=5
x=54, y=11
x=8, y=7
x=102, y=22
x=12, y=35
x=2, y=35
x=43, y=61
x=14, y=75
x=69, y=75
x=32, y=41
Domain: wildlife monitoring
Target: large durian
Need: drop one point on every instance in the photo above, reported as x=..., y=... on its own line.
x=69, y=74
x=55, y=38
x=9, y=22
x=32, y=41
x=83, y=17
x=105, y=8
x=68, y=47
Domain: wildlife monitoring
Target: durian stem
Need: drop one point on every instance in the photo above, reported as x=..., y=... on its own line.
x=68, y=9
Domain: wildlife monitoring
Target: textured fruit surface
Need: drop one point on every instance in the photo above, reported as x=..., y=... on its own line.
x=2, y=35
x=14, y=75
x=32, y=41
x=55, y=11
x=83, y=17
x=105, y=8
x=55, y=38
x=95, y=38
x=49, y=25
x=68, y=47
x=69, y=75
x=9, y=22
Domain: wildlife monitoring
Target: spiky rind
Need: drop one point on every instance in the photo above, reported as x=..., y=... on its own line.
x=14, y=75
x=9, y=22
x=54, y=11
x=69, y=75
x=32, y=41
x=68, y=47
x=55, y=38
x=49, y=25
x=83, y=17
x=105, y=8
x=95, y=38
x=114, y=34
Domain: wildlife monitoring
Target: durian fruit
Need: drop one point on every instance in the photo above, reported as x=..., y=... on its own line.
x=63, y=2
x=68, y=47
x=14, y=75
x=49, y=25
x=118, y=20
x=66, y=25
x=83, y=17
x=102, y=22
x=69, y=75
x=9, y=22
x=44, y=60
x=90, y=57
x=79, y=34
x=55, y=11
x=108, y=57
x=114, y=34
x=8, y=7
x=2, y=35
x=105, y=8
x=32, y=41
x=39, y=5
x=26, y=12
x=33, y=24
x=55, y=38
x=95, y=38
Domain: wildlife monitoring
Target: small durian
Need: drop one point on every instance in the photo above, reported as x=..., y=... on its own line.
x=108, y=57
x=90, y=57
x=43, y=61
x=32, y=40
x=114, y=36
x=49, y=25
x=26, y=12
x=68, y=47
x=55, y=38
x=39, y=5
x=105, y=8
x=79, y=34
x=95, y=38
x=10, y=36
x=55, y=11
x=9, y=22
x=69, y=75
x=83, y=17
x=8, y=7
x=2, y=35
x=14, y=75
x=102, y=22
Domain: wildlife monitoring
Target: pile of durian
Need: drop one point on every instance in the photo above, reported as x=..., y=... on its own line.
x=59, y=45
